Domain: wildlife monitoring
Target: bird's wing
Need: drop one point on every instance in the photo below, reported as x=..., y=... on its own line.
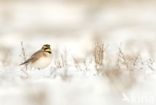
x=33, y=58
x=36, y=56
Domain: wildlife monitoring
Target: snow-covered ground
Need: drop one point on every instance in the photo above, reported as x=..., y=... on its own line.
x=71, y=29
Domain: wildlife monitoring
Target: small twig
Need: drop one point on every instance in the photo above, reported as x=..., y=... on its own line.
x=24, y=57
x=23, y=54
x=99, y=55
x=122, y=56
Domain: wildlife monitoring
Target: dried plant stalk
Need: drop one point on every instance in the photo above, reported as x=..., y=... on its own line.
x=23, y=54
x=99, y=54
x=24, y=57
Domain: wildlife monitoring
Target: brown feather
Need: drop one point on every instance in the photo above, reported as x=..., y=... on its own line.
x=42, y=52
x=34, y=57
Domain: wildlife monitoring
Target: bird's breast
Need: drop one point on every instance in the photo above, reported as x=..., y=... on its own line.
x=42, y=62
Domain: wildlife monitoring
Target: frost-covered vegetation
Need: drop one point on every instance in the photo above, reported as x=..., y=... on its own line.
x=103, y=52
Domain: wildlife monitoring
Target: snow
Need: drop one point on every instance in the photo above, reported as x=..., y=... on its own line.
x=71, y=78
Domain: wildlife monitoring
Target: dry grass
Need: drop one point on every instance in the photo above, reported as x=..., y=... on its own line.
x=126, y=67
x=78, y=62
x=23, y=54
x=24, y=58
x=127, y=61
x=98, y=54
x=121, y=72
x=123, y=75
x=61, y=63
x=120, y=80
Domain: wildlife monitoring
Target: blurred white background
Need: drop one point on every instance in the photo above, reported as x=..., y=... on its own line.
x=72, y=25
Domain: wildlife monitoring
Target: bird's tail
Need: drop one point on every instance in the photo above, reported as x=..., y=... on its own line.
x=26, y=62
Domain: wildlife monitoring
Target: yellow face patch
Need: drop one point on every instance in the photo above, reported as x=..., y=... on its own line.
x=48, y=51
x=46, y=48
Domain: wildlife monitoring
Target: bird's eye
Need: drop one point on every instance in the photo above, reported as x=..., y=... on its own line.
x=46, y=48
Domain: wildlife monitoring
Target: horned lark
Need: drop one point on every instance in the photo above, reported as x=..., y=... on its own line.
x=41, y=58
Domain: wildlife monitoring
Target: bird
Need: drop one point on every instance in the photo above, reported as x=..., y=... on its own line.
x=40, y=59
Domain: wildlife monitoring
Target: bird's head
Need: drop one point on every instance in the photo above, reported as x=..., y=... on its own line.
x=46, y=48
